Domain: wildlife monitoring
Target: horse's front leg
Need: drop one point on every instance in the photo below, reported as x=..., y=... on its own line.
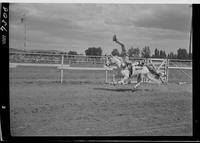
x=163, y=81
x=125, y=73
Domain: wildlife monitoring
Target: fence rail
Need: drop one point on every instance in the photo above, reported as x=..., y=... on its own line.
x=18, y=57
x=82, y=62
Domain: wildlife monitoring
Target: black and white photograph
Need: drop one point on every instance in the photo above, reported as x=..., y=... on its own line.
x=100, y=69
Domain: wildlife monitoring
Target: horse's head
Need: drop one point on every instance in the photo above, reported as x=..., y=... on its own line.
x=113, y=61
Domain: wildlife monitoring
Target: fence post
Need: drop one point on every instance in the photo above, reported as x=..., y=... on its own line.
x=61, y=71
x=113, y=77
x=167, y=70
x=106, y=76
x=146, y=62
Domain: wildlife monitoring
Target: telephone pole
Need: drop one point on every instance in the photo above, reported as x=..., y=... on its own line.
x=23, y=21
x=191, y=31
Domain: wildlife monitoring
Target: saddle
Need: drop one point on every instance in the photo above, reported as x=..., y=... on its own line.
x=129, y=66
x=138, y=67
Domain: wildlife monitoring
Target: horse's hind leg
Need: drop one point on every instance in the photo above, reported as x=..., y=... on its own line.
x=139, y=80
x=152, y=79
x=126, y=77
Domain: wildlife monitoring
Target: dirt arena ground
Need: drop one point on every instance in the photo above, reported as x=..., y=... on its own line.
x=97, y=109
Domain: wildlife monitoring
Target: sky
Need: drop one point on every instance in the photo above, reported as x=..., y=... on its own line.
x=76, y=27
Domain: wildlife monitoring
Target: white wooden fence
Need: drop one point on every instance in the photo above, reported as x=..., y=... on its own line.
x=63, y=62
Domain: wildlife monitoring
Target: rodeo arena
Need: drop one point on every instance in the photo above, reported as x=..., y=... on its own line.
x=61, y=94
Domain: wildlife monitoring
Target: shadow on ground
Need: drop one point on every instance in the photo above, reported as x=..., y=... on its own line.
x=121, y=89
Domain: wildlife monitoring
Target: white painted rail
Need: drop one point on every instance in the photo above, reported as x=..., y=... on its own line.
x=62, y=65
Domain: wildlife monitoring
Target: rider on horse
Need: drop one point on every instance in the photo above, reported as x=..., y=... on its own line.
x=129, y=64
x=124, y=55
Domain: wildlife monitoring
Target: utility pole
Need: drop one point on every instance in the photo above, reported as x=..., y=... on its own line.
x=23, y=21
x=191, y=32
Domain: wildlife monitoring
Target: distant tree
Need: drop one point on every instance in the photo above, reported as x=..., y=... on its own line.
x=115, y=52
x=93, y=51
x=146, y=52
x=99, y=53
x=134, y=52
x=156, y=54
x=171, y=55
x=175, y=56
x=72, y=53
x=182, y=54
x=162, y=54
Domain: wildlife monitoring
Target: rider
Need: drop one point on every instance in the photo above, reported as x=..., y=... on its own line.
x=124, y=54
x=127, y=62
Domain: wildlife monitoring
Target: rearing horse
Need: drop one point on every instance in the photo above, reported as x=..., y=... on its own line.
x=139, y=71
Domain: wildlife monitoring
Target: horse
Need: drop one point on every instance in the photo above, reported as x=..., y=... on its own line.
x=137, y=71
